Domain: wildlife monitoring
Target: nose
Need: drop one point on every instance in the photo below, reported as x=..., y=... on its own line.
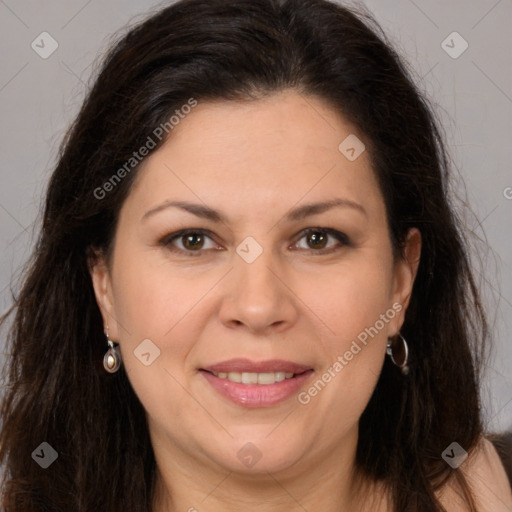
x=258, y=297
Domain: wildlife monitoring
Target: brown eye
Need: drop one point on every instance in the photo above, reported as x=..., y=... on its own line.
x=189, y=242
x=192, y=241
x=317, y=240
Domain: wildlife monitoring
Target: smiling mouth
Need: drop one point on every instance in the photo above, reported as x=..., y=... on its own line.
x=261, y=389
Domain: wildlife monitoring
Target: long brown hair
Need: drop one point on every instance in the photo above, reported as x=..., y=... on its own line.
x=56, y=389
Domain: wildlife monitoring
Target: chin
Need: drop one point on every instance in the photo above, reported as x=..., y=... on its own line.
x=259, y=454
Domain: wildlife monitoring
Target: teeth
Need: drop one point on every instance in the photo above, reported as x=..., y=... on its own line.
x=249, y=378
x=234, y=376
x=254, y=378
x=265, y=378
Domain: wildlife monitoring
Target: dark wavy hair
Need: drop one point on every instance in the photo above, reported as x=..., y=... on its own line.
x=56, y=388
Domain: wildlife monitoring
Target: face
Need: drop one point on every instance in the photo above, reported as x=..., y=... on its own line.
x=286, y=268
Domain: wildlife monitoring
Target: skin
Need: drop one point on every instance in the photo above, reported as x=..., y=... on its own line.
x=254, y=162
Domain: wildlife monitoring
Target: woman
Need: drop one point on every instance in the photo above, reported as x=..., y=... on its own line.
x=250, y=289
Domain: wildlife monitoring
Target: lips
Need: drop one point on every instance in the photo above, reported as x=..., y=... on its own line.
x=257, y=384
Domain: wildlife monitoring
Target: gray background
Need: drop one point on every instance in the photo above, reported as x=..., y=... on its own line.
x=39, y=98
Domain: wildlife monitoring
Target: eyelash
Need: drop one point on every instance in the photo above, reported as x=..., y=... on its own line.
x=338, y=235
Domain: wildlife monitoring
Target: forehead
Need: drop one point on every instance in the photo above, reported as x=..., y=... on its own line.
x=271, y=151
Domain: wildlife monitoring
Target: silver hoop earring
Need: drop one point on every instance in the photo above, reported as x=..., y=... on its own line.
x=112, y=357
x=399, y=354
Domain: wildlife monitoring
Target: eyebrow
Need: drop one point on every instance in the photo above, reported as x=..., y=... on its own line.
x=296, y=214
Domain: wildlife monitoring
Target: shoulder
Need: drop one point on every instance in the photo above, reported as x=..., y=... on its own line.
x=488, y=481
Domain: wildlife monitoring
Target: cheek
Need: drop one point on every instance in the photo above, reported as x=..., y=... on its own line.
x=153, y=303
x=356, y=313
x=150, y=297
x=351, y=297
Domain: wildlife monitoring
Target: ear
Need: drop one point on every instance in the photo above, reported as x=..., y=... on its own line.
x=405, y=270
x=102, y=284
